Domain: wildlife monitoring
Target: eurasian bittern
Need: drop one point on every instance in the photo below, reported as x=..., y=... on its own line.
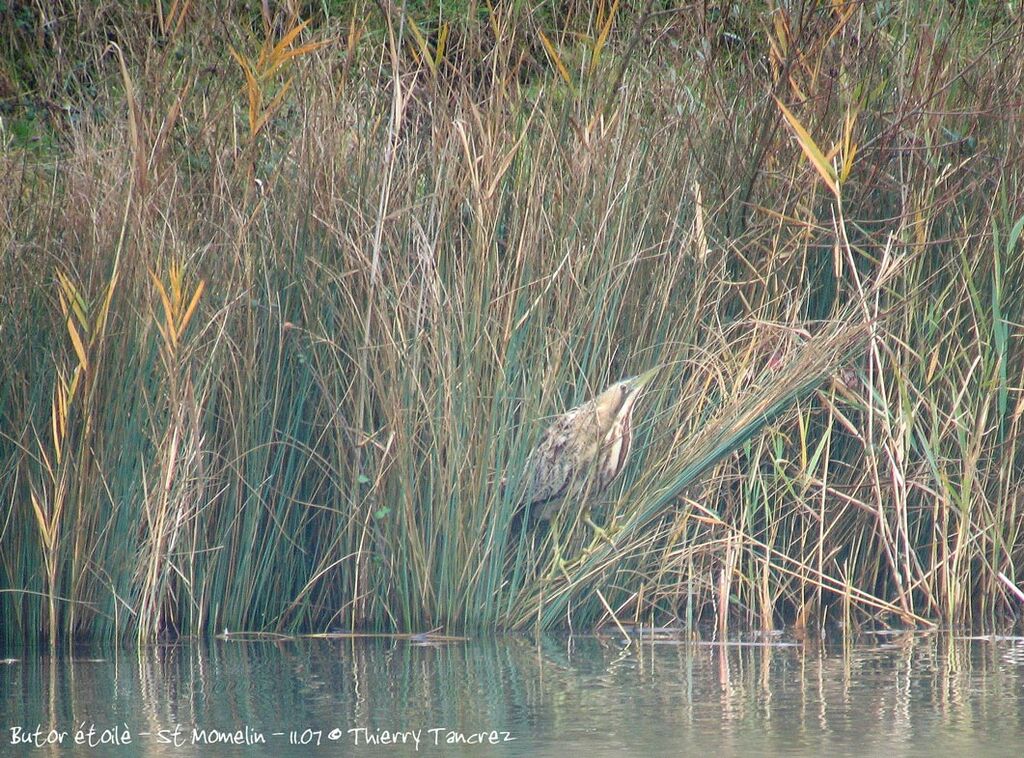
x=583, y=451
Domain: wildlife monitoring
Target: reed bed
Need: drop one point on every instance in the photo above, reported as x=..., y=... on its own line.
x=284, y=301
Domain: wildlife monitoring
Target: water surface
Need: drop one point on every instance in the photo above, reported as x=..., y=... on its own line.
x=893, y=695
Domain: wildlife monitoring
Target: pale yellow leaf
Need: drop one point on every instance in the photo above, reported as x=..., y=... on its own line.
x=272, y=106
x=602, y=37
x=553, y=54
x=77, y=343
x=442, y=41
x=811, y=149
x=191, y=308
x=286, y=41
x=424, y=49
x=169, y=334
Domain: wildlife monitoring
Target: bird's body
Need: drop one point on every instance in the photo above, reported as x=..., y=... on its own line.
x=585, y=448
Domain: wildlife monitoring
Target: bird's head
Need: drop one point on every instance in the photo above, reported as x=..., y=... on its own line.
x=617, y=401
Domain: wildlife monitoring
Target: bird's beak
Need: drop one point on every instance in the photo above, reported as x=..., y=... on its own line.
x=640, y=381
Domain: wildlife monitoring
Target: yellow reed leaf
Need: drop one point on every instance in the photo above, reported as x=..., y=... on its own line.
x=252, y=88
x=71, y=298
x=73, y=387
x=76, y=342
x=174, y=277
x=442, y=41
x=272, y=107
x=849, y=146
x=781, y=32
x=169, y=335
x=811, y=149
x=424, y=49
x=281, y=48
x=309, y=47
x=41, y=520
x=100, y=320
x=553, y=54
x=602, y=37
x=291, y=54
x=492, y=19
x=191, y=308
x=58, y=418
x=843, y=13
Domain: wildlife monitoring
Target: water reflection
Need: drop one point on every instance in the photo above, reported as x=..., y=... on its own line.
x=899, y=695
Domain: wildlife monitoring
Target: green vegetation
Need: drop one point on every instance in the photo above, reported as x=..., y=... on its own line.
x=284, y=300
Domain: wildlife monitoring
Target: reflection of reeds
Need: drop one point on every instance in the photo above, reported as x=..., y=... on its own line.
x=870, y=692
x=408, y=270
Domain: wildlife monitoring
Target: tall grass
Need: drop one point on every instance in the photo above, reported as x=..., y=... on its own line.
x=277, y=319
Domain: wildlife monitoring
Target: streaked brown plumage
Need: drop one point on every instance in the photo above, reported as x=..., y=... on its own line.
x=584, y=449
